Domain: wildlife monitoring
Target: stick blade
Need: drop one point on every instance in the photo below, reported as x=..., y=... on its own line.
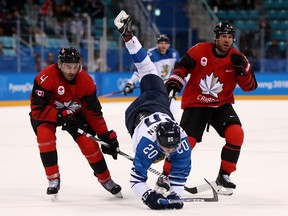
x=215, y=195
x=192, y=190
x=195, y=190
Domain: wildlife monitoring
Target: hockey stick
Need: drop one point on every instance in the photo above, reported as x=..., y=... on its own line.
x=201, y=188
x=80, y=131
x=114, y=93
x=110, y=94
x=206, y=187
x=191, y=199
x=171, y=93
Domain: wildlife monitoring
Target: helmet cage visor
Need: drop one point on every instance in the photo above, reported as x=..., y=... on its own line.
x=168, y=136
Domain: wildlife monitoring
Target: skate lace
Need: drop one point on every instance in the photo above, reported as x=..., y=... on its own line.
x=109, y=185
x=53, y=183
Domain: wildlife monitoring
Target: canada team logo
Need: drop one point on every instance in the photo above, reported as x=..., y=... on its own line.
x=211, y=85
x=71, y=105
x=40, y=93
x=61, y=90
x=203, y=61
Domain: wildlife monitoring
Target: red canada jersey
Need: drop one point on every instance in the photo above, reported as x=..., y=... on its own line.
x=212, y=78
x=52, y=92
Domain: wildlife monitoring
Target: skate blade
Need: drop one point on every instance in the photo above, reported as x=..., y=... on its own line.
x=224, y=191
x=53, y=197
x=118, y=195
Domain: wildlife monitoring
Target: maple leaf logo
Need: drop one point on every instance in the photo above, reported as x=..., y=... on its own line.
x=72, y=105
x=210, y=85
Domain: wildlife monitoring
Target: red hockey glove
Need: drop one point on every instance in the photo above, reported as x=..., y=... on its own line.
x=240, y=63
x=110, y=138
x=175, y=83
x=68, y=122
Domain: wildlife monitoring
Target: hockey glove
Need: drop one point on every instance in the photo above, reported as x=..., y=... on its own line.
x=174, y=196
x=128, y=89
x=68, y=122
x=240, y=63
x=151, y=197
x=175, y=83
x=124, y=22
x=110, y=138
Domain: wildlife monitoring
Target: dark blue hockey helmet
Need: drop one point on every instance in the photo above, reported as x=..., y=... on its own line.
x=163, y=38
x=168, y=135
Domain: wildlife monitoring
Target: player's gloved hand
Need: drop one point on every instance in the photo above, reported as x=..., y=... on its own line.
x=240, y=63
x=151, y=197
x=128, y=89
x=175, y=83
x=175, y=196
x=68, y=122
x=123, y=22
x=110, y=138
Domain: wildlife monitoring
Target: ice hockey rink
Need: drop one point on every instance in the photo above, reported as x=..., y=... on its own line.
x=261, y=177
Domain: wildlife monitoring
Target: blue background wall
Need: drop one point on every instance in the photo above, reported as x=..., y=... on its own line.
x=15, y=86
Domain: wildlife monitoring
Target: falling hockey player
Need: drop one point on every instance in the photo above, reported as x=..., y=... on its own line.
x=154, y=132
x=164, y=57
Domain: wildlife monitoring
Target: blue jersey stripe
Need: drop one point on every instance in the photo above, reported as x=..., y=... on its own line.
x=139, y=56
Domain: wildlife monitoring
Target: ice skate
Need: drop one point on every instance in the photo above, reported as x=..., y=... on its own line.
x=113, y=188
x=53, y=188
x=162, y=185
x=224, y=185
x=123, y=22
x=163, y=181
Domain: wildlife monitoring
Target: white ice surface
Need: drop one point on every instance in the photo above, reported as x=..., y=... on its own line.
x=261, y=177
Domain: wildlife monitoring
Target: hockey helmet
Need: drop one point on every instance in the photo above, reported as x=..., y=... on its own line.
x=69, y=55
x=168, y=134
x=163, y=38
x=224, y=28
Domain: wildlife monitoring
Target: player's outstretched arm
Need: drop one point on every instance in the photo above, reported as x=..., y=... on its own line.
x=123, y=23
x=138, y=54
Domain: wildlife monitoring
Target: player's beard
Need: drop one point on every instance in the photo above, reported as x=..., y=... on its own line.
x=70, y=76
x=223, y=49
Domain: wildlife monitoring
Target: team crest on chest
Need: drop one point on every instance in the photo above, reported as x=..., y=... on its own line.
x=210, y=85
x=164, y=70
x=72, y=105
x=61, y=90
x=203, y=61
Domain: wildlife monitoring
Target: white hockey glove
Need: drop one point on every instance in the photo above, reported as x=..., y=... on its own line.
x=128, y=89
x=123, y=22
